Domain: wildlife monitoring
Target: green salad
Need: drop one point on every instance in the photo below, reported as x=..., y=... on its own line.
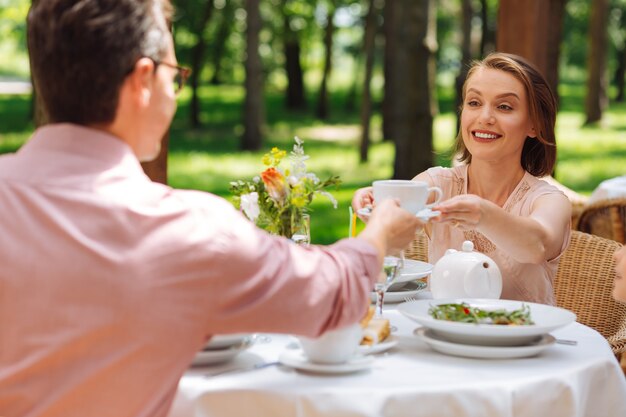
x=464, y=313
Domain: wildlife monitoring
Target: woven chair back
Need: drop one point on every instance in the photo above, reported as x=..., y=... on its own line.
x=418, y=249
x=584, y=285
x=605, y=218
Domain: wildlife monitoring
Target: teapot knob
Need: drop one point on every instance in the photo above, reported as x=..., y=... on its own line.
x=468, y=246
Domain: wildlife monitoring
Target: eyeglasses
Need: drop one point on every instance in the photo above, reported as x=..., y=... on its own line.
x=182, y=73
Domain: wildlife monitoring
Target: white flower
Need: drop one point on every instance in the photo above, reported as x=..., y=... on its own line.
x=330, y=197
x=250, y=205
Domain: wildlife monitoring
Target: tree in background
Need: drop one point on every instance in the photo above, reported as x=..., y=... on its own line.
x=366, y=100
x=221, y=39
x=596, y=99
x=412, y=102
x=322, y=100
x=293, y=21
x=253, y=114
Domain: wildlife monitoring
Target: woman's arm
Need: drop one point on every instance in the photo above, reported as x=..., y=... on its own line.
x=533, y=239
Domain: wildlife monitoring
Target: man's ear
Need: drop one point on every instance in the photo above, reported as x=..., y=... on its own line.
x=140, y=81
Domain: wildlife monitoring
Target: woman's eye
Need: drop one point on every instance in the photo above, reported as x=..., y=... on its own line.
x=473, y=103
x=505, y=107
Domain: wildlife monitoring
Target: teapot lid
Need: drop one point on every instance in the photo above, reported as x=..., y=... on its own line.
x=468, y=246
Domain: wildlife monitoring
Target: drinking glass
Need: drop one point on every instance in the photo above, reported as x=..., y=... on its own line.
x=391, y=270
x=302, y=230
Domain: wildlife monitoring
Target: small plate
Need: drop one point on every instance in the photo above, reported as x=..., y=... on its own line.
x=297, y=360
x=387, y=344
x=221, y=341
x=424, y=214
x=484, y=352
x=399, y=292
x=413, y=270
x=216, y=356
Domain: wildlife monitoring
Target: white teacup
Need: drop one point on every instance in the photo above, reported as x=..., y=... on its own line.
x=333, y=347
x=411, y=194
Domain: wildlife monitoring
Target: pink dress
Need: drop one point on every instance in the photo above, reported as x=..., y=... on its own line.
x=521, y=281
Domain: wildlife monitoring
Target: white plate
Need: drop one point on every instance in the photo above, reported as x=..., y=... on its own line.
x=409, y=289
x=215, y=356
x=424, y=214
x=221, y=341
x=387, y=344
x=546, y=318
x=484, y=352
x=297, y=360
x=413, y=270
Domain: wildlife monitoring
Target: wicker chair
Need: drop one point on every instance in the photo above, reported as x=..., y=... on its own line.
x=584, y=285
x=605, y=218
x=418, y=249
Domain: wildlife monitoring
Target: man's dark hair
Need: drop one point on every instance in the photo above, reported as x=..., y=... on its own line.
x=82, y=50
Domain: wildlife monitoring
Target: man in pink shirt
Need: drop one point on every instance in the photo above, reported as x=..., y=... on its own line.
x=110, y=283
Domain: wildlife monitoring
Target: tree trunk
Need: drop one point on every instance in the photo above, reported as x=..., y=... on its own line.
x=366, y=101
x=295, y=79
x=413, y=70
x=596, y=98
x=253, y=105
x=389, y=23
x=322, y=101
x=197, y=58
x=487, y=39
x=532, y=29
x=223, y=33
x=467, y=14
x=620, y=71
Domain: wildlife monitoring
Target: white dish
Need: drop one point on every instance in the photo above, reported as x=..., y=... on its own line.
x=404, y=291
x=413, y=270
x=216, y=356
x=383, y=346
x=221, y=341
x=297, y=360
x=484, y=352
x=545, y=317
x=424, y=214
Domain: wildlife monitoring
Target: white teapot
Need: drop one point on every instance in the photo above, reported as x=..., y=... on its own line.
x=465, y=274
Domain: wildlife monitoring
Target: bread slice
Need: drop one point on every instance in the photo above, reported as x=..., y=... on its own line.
x=377, y=330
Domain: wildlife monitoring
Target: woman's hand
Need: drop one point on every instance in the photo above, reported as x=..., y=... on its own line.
x=363, y=197
x=463, y=211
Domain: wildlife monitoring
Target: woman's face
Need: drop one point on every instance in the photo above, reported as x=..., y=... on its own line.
x=619, y=290
x=495, y=119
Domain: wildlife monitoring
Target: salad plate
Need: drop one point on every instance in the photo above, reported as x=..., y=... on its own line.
x=442, y=345
x=546, y=319
x=399, y=292
x=217, y=356
x=297, y=360
x=383, y=346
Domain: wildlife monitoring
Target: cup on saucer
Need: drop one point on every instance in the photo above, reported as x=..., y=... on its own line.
x=333, y=347
x=412, y=195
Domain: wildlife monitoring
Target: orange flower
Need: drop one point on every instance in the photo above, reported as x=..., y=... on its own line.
x=275, y=184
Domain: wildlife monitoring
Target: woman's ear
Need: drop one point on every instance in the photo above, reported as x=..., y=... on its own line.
x=532, y=133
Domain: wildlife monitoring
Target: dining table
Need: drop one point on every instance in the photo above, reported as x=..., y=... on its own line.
x=411, y=379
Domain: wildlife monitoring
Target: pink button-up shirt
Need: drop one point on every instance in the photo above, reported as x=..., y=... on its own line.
x=110, y=283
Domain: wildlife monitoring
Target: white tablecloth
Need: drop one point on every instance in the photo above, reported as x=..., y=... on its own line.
x=413, y=380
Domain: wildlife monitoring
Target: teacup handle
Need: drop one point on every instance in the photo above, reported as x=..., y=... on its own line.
x=439, y=193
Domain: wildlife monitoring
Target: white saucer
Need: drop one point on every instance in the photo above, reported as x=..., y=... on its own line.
x=424, y=214
x=297, y=360
x=387, y=344
x=442, y=345
x=408, y=290
x=215, y=356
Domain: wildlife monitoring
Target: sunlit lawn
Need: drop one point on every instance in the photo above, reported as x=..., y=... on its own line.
x=209, y=158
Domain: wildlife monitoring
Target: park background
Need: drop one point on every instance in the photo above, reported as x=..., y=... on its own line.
x=369, y=85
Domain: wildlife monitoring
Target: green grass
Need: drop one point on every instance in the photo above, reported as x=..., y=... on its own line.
x=209, y=158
